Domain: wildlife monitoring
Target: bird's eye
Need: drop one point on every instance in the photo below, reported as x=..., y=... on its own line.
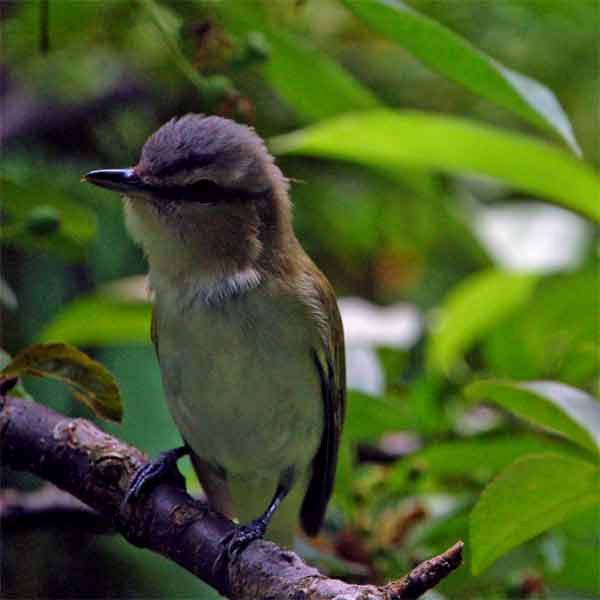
x=205, y=187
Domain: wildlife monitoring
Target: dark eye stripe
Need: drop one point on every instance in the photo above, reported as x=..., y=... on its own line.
x=188, y=163
x=204, y=192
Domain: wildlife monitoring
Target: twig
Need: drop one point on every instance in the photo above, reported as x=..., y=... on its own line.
x=96, y=468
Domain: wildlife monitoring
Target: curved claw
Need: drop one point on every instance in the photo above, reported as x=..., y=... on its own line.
x=244, y=535
x=150, y=474
x=236, y=540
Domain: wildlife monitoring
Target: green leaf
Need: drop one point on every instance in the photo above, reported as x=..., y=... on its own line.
x=553, y=336
x=90, y=382
x=168, y=25
x=555, y=406
x=18, y=389
x=315, y=85
x=530, y=496
x=100, y=320
x=477, y=458
x=389, y=140
x=473, y=308
x=369, y=417
x=579, y=567
x=457, y=59
x=74, y=227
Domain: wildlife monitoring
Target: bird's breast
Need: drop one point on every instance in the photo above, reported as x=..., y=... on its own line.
x=240, y=381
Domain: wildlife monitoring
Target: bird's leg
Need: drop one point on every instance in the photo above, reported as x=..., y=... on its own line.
x=236, y=540
x=154, y=471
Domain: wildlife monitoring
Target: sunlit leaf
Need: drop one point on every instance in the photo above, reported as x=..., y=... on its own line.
x=100, y=320
x=530, y=496
x=555, y=406
x=472, y=309
x=457, y=59
x=389, y=140
x=90, y=382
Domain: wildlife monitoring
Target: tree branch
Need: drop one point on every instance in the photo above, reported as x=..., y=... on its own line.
x=96, y=468
x=47, y=506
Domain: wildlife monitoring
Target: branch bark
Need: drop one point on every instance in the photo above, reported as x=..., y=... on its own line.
x=96, y=468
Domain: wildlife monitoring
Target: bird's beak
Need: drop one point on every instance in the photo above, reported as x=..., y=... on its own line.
x=118, y=180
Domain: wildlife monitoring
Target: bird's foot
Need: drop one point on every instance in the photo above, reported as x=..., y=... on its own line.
x=154, y=471
x=243, y=535
x=237, y=539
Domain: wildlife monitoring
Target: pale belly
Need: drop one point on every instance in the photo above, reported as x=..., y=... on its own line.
x=242, y=386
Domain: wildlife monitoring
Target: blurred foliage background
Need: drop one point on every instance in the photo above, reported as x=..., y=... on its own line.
x=449, y=198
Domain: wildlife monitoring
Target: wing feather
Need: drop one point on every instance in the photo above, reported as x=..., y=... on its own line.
x=330, y=362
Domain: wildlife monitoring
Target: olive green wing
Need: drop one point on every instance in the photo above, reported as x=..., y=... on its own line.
x=330, y=363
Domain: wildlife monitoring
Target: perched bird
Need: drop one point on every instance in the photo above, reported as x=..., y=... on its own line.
x=246, y=328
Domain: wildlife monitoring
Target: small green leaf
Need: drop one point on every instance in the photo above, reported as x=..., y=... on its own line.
x=457, y=59
x=473, y=308
x=90, y=382
x=43, y=216
x=114, y=322
x=555, y=406
x=43, y=220
x=18, y=389
x=389, y=140
x=530, y=496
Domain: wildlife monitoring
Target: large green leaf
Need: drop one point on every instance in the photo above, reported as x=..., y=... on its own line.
x=553, y=336
x=473, y=308
x=90, y=382
x=530, y=496
x=457, y=59
x=554, y=406
x=389, y=140
x=369, y=417
x=315, y=85
x=100, y=320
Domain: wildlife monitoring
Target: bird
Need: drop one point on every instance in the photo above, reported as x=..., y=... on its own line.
x=246, y=328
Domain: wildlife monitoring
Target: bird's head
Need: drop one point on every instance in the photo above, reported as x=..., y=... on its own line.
x=205, y=191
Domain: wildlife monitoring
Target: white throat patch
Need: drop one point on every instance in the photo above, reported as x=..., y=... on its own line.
x=204, y=289
x=222, y=290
